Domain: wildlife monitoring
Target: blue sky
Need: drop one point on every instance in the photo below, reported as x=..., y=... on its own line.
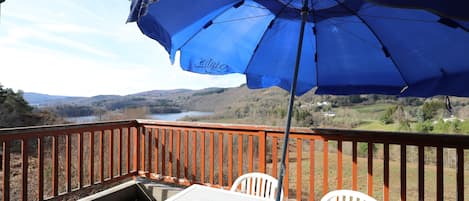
x=84, y=48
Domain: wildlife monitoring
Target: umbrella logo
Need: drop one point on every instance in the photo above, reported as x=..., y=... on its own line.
x=210, y=65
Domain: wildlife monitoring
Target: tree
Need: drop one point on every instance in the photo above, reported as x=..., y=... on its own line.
x=355, y=99
x=424, y=126
x=387, y=117
x=15, y=111
x=430, y=109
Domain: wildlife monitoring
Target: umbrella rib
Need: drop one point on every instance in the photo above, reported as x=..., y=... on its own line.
x=385, y=50
x=262, y=38
x=316, y=56
x=241, y=19
x=260, y=7
x=204, y=27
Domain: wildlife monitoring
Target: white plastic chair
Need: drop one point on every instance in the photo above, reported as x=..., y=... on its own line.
x=346, y=195
x=256, y=184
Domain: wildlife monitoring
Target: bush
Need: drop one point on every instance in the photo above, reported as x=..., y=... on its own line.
x=424, y=127
x=464, y=126
x=404, y=125
x=387, y=117
x=16, y=112
x=430, y=109
x=363, y=149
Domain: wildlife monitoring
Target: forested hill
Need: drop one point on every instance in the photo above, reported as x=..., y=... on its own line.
x=269, y=107
x=16, y=112
x=369, y=112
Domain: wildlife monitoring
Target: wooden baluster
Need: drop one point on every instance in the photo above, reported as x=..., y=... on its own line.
x=339, y=164
x=24, y=167
x=311, y=169
x=6, y=170
x=91, y=164
x=299, y=172
x=403, y=172
x=325, y=171
x=370, y=169
x=55, y=166
x=40, y=169
x=386, y=171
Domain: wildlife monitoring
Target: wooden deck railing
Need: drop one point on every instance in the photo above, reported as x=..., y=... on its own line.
x=388, y=166
x=67, y=167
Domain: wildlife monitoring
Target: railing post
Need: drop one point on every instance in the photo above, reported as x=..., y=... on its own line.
x=186, y=155
x=119, y=153
x=354, y=166
x=6, y=170
x=299, y=164
x=101, y=156
x=136, y=156
x=211, y=158
x=55, y=166
x=202, y=157
x=240, y=155
x=194, y=155
x=155, y=150
x=141, y=159
x=386, y=172
x=250, y=154
x=339, y=164
x=40, y=169
x=262, y=150
x=311, y=169
x=24, y=167
x=421, y=172
x=460, y=173
x=170, y=153
x=68, y=162
x=439, y=173
x=150, y=150
x=403, y=172
x=325, y=171
x=220, y=159
x=370, y=169
x=178, y=154
x=111, y=154
x=230, y=159
x=91, y=165
x=274, y=156
x=80, y=160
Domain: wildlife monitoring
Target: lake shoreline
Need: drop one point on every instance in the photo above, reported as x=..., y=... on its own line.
x=155, y=116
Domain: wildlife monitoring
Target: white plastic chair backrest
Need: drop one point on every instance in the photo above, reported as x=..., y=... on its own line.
x=346, y=195
x=257, y=184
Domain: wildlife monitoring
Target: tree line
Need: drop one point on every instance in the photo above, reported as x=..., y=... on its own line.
x=16, y=112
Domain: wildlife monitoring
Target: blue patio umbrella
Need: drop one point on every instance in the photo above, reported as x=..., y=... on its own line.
x=338, y=47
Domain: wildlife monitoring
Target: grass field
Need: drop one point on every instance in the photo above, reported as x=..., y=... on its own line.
x=377, y=125
x=412, y=178
x=375, y=108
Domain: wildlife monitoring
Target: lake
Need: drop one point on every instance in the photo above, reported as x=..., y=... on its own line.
x=177, y=116
x=162, y=116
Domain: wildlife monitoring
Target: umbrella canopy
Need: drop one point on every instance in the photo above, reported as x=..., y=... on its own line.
x=337, y=46
x=349, y=46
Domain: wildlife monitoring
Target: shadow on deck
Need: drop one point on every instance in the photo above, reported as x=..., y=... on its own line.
x=139, y=190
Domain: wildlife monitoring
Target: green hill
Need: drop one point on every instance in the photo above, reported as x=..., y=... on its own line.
x=269, y=107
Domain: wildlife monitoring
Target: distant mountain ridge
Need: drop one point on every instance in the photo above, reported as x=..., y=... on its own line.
x=34, y=98
x=142, y=98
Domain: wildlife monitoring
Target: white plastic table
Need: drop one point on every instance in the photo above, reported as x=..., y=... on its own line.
x=204, y=193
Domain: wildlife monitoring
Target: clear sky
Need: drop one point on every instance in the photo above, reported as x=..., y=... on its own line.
x=84, y=48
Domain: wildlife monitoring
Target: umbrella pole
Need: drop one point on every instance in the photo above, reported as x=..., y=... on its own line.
x=304, y=16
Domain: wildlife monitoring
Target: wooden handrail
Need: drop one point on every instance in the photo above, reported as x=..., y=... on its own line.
x=215, y=154
x=21, y=132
